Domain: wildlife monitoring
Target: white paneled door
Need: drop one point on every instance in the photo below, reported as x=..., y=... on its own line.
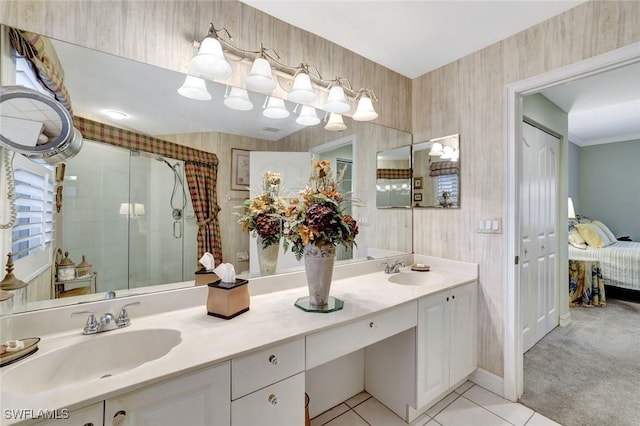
x=538, y=249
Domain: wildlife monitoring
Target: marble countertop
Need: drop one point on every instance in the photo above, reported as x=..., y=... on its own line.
x=207, y=340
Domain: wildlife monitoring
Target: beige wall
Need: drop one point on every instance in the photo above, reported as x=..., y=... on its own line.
x=467, y=96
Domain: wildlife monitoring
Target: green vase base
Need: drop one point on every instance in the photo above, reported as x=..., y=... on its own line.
x=333, y=304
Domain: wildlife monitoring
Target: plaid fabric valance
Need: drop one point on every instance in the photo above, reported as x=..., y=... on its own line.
x=201, y=170
x=393, y=174
x=43, y=58
x=444, y=168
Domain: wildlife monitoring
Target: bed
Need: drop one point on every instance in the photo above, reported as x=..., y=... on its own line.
x=619, y=262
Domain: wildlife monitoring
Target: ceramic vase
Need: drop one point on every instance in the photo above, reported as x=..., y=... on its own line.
x=318, y=266
x=267, y=257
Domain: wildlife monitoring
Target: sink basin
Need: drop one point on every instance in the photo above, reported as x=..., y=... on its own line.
x=96, y=357
x=416, y=278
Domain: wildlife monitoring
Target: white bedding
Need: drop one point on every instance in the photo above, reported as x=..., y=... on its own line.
x=620, y=262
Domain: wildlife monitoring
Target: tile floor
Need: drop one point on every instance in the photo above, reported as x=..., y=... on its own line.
x=467, y=405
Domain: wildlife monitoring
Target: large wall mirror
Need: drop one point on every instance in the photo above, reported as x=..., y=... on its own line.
x=139, y=246
x=436, y=173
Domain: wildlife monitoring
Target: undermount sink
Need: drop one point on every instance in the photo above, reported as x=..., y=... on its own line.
x=416, y=278
x=95, y=357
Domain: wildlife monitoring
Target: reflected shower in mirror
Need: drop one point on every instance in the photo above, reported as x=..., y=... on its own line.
x=436, y=173
x=393, y=178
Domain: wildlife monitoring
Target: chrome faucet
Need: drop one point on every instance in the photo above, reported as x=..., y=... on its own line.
x=107, y=321
x=393, y=268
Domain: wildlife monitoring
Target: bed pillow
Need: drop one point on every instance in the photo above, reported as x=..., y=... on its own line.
x=576, y=240
x=606, y=230
x=593, y=235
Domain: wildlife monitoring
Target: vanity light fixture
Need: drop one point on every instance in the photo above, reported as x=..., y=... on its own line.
x=260, y=78
x=436, y=149
x=456, y=155
x=336, y=101
x=238, y=99
x=210, y=61
x=275, y=108
x=302, y=91
x=335, y=123
x=308, y=116
x=365, y=111
x=194, y=88
x=447, y=153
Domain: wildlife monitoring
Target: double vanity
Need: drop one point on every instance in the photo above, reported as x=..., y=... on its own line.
x=415, y=333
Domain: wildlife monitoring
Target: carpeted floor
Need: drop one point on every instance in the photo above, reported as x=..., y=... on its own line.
x=588, y=374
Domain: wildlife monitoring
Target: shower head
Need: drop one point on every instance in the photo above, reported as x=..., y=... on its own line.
x=162, y=159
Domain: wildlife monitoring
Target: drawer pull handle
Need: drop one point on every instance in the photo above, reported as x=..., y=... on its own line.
x=371, y=324
x=273, y=360
x=273, y=399
x=119, y=417
x=447, y=299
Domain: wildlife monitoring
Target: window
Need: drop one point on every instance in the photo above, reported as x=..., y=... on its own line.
x=447, y=183
x=33, y=230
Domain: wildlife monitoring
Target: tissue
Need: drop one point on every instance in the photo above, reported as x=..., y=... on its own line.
x=207, y=261
x=226, y=272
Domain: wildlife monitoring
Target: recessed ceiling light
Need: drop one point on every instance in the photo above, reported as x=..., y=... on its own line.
x=116, y=115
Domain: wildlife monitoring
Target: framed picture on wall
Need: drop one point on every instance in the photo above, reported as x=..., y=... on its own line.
x=417, y=182
x=239, y=170
x=417, y=196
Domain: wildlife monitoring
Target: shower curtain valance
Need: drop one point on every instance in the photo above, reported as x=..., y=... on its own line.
x=44, y=60
x=201, y=170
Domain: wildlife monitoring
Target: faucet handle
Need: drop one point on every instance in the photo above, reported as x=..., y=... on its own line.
x=123, y=318
x=92, y=325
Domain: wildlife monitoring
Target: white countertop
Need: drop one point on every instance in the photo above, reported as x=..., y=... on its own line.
x=207, y=340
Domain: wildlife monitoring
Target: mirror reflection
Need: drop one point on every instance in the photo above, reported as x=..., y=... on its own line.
x=119, y=206
x=393, y=178
x=436, y=173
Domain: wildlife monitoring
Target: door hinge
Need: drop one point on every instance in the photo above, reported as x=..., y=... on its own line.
x=517, y=259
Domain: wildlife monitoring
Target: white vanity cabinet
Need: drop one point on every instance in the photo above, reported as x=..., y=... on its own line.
x=197, y=399
x=86, y=416
x=267, y=386
x=446, y=341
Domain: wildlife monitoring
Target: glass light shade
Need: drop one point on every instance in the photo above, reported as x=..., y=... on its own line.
x=275, y=108
x=572, y=210
x=335, y=123
x=365, y=111
x=302, y=91
x=238, y=99
x=455, y=155
x=260, y=78
x=436, y=149
x=447, y=153
x=194, y=88
x=210, y=61
x=336, y=101
x=308, y=116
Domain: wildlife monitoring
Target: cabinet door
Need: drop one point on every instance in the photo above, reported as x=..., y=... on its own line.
x=87, y=416
x=464, y=335
x=280, y=404
x=199, y=399
x=432, y=347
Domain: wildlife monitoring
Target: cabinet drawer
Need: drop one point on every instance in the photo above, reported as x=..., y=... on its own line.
x=277, y=405
x=265, y=367
x=333, y=343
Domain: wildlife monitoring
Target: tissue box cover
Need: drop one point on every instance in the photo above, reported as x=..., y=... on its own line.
x=206, y=277
x=228, y=300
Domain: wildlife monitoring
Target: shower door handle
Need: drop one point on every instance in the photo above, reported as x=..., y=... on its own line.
x=177, y=229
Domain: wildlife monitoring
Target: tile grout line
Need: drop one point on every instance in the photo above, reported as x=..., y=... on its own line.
x=486, y=409
x=530, y=417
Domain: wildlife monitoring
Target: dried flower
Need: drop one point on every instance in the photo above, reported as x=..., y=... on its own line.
x=317, y=215
x=264, y=213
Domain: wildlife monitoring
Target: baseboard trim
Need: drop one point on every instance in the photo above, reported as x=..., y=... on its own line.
x=565, y=319
x=489, y=381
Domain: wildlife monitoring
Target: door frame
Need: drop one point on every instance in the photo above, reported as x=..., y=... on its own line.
x=514, y=93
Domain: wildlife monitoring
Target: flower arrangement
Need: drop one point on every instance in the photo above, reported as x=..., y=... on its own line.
x=317, y=215
x=444, y=201
x=264, y=213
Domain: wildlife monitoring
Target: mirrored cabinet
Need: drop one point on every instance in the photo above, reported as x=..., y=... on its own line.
x=436, y=173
